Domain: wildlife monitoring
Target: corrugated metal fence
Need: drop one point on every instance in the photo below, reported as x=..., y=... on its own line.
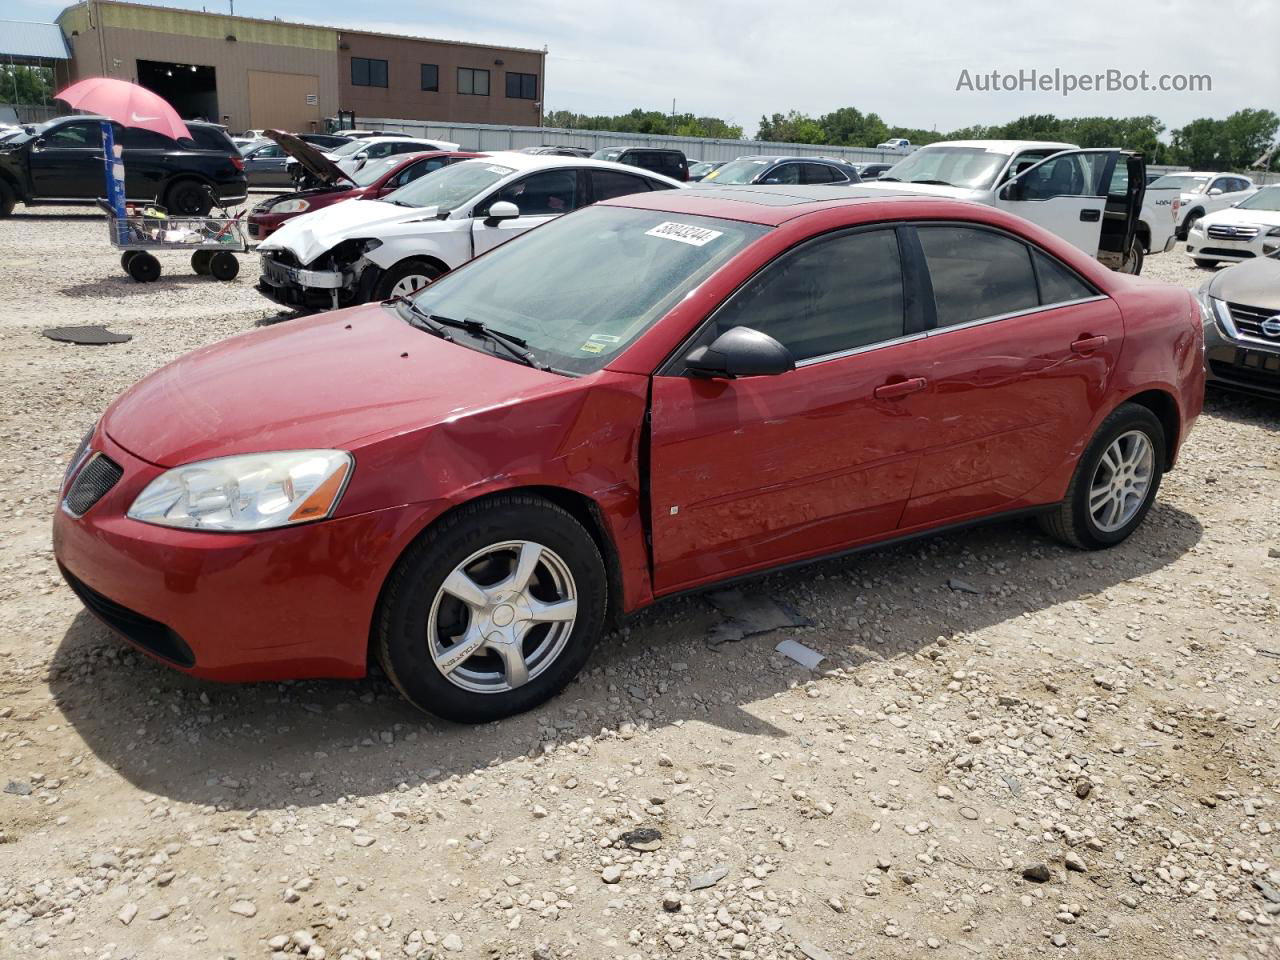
x=480, y=136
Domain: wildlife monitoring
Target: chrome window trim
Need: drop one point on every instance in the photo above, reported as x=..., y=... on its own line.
x=865, y=348
x=982, y=321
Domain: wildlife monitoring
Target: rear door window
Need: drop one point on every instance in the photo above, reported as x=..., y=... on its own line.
x=977, y=273
x=817, y=173
x=606, y=184
x=1057, y=283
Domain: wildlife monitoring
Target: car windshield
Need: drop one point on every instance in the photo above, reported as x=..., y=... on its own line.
x=581, y=288
x=1175, y=182
x=1268, y=198
x=449, y=187
x=972, y=167
x=347, y=149
x=607, y=153
x=374, y=169
x=740, y=171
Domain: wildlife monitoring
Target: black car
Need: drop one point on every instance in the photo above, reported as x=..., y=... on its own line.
x=60, y=162
x=669, y=163
x=325, y=141
x=1241, y=307
x=774, y=169
x=870, y=171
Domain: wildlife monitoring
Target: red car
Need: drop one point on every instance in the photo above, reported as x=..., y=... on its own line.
x=376, y=179
x=651, y=395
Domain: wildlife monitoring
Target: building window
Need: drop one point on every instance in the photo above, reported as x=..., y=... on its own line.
x=473, y=82
x=368, y=73
x=522, y=86
x=430, y=77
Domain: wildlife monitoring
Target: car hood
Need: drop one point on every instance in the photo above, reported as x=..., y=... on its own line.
x=925, y=189
x=1254, y=283
x=1237, y=217
x=312, y=234
x=328, y=381
x=312, y=160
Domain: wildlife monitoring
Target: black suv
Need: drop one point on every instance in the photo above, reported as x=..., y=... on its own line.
x=60, y=162
x=669, y=163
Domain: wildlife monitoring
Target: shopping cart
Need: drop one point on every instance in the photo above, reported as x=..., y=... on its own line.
x=213, y=241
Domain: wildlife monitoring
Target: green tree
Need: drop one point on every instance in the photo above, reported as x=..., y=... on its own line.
x=792, y=127
x=25, y=84
x=849, y=126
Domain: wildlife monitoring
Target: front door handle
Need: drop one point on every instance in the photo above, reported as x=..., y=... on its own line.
x=888, y=391
x=1090, y=216
x=1088, y=344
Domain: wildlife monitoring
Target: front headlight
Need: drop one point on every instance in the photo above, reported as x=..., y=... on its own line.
x=1274, y=232
x=256, y=491
x=291, y=206
x=1203, y=298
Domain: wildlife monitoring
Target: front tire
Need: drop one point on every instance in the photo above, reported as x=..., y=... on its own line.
x=1204, y=264
x=1115, y=482
x=8, y=199
x=493, y=610
x=407, y=278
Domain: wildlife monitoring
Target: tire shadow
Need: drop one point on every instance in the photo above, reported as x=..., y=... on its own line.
x=270, y=745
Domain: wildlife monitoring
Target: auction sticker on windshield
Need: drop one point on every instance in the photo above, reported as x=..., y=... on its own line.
x=684, y=233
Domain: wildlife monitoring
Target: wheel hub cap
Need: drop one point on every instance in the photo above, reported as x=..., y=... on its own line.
x=502, y=616
x=1122, y=481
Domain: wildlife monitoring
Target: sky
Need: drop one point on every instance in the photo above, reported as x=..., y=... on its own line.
x=902, y=59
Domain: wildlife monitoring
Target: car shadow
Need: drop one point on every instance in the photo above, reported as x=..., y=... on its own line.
x=17, y=215
x=282, y=317
x=1243, y=408
x=122, y=284
x=270, y=745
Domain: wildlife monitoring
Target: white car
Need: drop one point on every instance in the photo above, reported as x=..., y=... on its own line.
x=896, y=144
x=1245, y=231
x=1083, y=196
x=1202, y=193
x=361, y=250
x=350, y=157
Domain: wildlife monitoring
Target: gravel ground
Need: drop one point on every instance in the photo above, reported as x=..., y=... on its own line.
x=1012, y=749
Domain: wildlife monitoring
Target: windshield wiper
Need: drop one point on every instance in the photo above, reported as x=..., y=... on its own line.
x=898, y=179
x=513, y=345
x=936, y=183
x=421, y=319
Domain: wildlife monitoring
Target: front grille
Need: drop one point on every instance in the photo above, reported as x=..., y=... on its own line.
x=1259, y=375
x=152, y=635
x=1249, y=321
x=91, y=484
x=1222, y=232
x=1240, y=252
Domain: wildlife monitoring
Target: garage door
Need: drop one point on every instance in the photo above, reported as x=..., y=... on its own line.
x=284, y=101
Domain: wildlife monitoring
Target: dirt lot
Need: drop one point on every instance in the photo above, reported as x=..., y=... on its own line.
x=1013, y=750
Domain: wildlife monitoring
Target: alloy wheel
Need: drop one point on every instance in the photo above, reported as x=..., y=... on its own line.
x=1121, y=481
x=502, y=616
x=408, y=286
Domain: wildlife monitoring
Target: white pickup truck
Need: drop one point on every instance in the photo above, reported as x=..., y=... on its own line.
x=1197, y=194
x=1095, y=199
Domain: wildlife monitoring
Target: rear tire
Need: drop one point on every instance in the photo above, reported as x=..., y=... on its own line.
x=188, y=198
x=1132, y=263
x=224, y=265
x=143, y=267
x=1115, y=482
x=1191, y=220
x=406, y=278
x=420, y=623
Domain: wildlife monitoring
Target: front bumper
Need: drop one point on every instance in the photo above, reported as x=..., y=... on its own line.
x=1203, y=246
x=299, y=287
x=1241, y=365
x=273, y=605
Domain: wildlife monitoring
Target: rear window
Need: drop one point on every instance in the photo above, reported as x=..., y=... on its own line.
x=211, y=138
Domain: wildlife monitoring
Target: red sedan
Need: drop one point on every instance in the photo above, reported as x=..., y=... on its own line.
x=376, y=179
x=654, y=394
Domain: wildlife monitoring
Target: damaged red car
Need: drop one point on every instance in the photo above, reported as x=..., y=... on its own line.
x=374, y=179
x=657, y=393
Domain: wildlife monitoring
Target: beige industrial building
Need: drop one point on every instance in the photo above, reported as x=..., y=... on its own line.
x=249, y=73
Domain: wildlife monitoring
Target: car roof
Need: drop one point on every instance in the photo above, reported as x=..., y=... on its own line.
x=1001, y=146
x=768, y=206
x=366, y=141
x=546, y=161
x=638, y=146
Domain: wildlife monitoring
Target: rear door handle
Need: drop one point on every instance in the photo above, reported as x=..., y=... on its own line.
x=1088, y=344
x=1090, y=216
x=888, y=391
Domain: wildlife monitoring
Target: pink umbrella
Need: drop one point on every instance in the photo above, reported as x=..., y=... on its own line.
x=127, y=104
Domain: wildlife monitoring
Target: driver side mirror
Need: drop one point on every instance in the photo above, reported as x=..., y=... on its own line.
x=1215, y=191
x=740, y=352
x=502, y=210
